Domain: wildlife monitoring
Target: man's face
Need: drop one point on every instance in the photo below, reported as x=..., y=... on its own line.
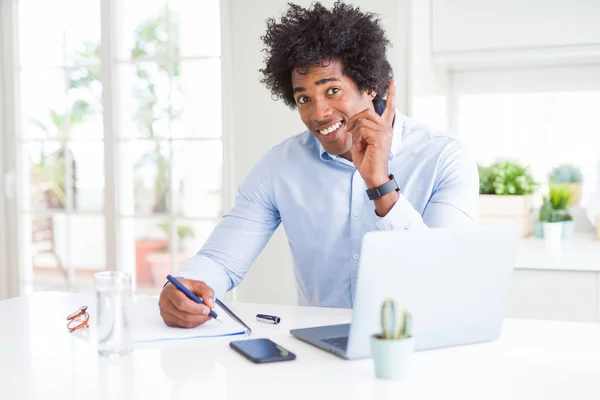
x=326, y=100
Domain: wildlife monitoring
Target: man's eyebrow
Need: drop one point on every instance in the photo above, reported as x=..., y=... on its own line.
x=323, y=81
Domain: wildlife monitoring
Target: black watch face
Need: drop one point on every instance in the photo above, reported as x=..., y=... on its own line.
x=373, y=194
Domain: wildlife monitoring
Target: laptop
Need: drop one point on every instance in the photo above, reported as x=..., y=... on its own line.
x=454, y=282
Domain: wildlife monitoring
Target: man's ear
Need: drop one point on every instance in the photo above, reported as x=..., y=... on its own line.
x=370, y=94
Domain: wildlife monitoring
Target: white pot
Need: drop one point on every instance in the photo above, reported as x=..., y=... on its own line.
x=392, y=358
x=553, y=234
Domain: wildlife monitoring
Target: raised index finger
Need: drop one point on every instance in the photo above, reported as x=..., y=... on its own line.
x=390, y=105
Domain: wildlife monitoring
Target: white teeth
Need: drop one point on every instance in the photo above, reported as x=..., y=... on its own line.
x=330, y=129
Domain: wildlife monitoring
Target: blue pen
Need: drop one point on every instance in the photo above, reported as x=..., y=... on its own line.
x=191, y=295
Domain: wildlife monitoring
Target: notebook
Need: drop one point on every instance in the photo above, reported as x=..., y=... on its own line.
x=148, y=325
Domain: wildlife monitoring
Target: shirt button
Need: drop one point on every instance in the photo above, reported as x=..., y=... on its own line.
x=356, y=213
x=355, y=256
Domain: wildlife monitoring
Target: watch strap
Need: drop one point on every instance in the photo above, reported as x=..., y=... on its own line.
x=380, y=191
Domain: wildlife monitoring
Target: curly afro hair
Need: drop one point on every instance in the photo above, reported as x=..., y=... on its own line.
x=314, y=36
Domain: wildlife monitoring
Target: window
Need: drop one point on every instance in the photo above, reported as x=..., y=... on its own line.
x=163, y=130
x=543, y=117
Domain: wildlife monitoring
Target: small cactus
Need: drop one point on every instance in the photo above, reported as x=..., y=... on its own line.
x=391, y=317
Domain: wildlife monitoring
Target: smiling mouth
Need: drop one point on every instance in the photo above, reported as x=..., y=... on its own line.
x=333, y=128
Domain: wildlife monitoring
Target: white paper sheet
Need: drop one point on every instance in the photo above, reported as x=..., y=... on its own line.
x=148, y=325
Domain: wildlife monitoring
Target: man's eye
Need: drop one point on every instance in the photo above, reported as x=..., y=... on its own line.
x=302, y=100
x=333, y=90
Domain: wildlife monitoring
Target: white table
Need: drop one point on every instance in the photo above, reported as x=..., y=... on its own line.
x=40, y=359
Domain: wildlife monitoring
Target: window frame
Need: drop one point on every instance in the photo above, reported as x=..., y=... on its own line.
x=11, y=264
x=517, y=79
x=9, y=240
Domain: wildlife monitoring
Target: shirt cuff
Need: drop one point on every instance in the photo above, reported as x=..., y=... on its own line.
x=202, y=268
x=402, y=216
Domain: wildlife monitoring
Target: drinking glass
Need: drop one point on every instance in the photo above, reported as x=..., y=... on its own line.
x=113, y=296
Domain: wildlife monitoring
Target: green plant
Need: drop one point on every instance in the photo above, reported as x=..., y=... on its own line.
x=151, y=40
x=554, y=206
x=48, y=170
x=559, y=197
x=565, y=173
x=546, y=210
x=183, y=232
x=505, y=177
x=485, y=180
x=395, y=324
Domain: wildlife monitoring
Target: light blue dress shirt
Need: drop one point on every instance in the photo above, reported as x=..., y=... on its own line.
x=320, y=199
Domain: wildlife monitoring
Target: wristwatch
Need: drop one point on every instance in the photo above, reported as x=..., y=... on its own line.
x=380, y=191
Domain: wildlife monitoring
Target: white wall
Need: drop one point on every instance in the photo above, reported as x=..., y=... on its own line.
x=3, y=223
x=428, y=84
x=258, y=122
x=467, y=35
x=483, y=25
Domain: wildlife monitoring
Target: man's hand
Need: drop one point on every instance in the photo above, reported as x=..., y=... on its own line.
x=179, y=311
x=372, y=140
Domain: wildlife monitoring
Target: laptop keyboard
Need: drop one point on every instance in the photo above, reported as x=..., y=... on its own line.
x=339, y=342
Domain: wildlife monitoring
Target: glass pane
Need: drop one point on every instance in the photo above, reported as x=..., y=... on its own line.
x=191, y=236
x=41, y=32
x=88, y=175
x=82, y=31
x=87, y=247
x=540, y=129
x=59, y=32
x=143, y=98
x=84, y=99
x=198, y=26
x=141, y=24
x=45, y=252
x=144, y=177
x=196, y=96
x=43, y=103
x=44, y=176
x=145, y=244
x=198, y=172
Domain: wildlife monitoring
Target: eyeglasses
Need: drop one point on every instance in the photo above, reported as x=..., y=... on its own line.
x=78, y=320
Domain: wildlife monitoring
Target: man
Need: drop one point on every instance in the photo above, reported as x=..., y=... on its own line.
x=331, y=65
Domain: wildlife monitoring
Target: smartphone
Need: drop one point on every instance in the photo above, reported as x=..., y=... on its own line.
x=262, y=351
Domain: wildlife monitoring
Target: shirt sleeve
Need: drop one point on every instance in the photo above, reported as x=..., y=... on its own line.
x=454, y=202
x=240, y=235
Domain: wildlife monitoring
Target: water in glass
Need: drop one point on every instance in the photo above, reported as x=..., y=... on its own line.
x=113, y=295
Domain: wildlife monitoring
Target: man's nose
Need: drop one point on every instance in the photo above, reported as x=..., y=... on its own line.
x=321, y=111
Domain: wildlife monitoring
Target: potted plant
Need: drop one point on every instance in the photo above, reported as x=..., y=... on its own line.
x=559, y=198
x=545, y=215
x=506, y=194
x=569, y=177
x=554, y=211
x=160, y=258
x=553, y=230
x=393, y=349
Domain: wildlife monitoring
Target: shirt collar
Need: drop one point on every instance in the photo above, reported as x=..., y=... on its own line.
x=399, y=128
